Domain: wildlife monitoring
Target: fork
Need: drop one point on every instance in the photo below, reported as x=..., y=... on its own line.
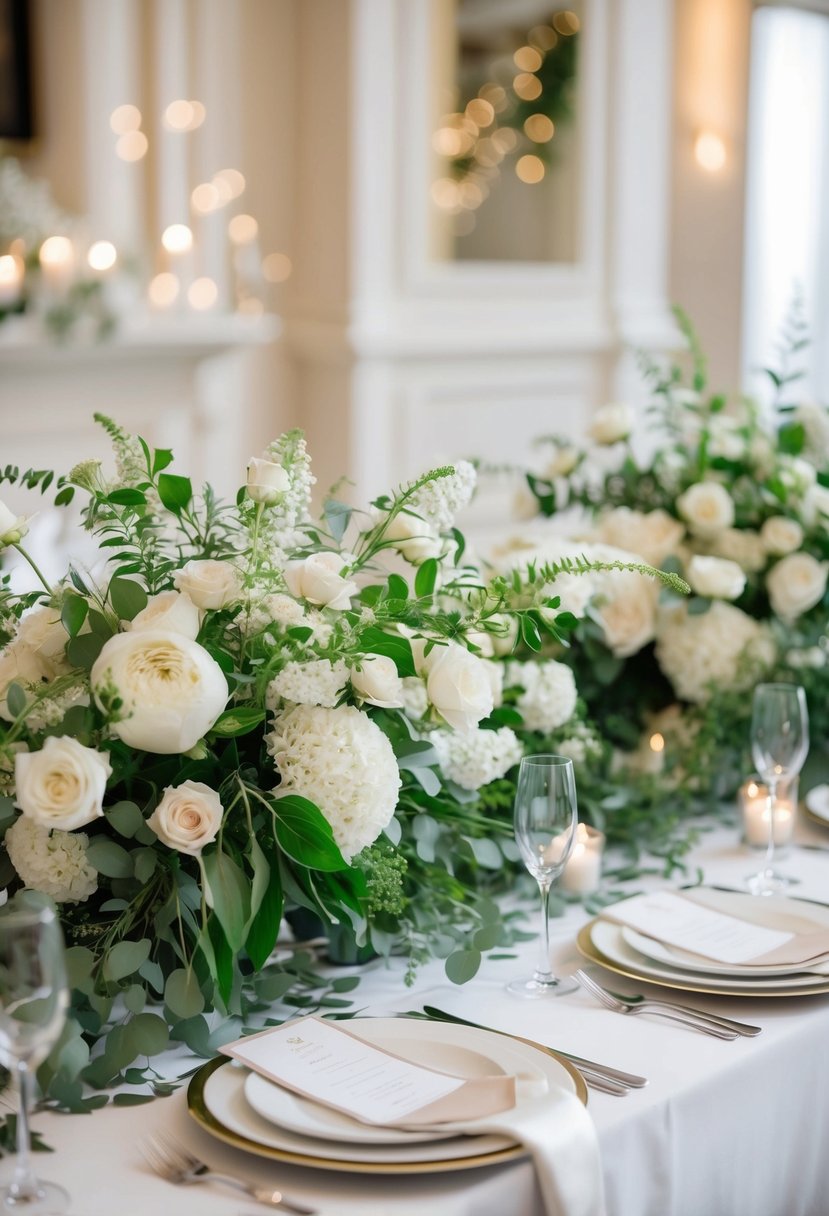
x=693, y=1020
x=171, y=1161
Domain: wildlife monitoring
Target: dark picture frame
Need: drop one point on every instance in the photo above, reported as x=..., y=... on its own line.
x=16, y=118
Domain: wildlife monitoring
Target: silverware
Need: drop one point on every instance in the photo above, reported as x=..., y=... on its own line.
x=745, y=1029
x=589, y=1068
x=693, y=1020
x=171, y=1161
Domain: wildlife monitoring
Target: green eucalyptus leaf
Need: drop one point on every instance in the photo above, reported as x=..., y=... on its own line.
x=182, y=993
x=110, y=859
x=126, y=818
x=125, y=958
x=132, y=1099
x=83, y=650
x=135, y=998
x=228, y=893
x=127, y=598
x=145, y=862
x=16, y=700
x=147, y=1034
x=463, y=965
x=79, y=965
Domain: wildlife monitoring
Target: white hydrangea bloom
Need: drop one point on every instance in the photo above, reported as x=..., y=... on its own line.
x=278, y=525
x=319, y=682
x=52, y=862
x=580, y=745
x=722, y=646
x=341, y=761
x=283, y=611
x=475, y=758
x=439, y=501
x=415, y=697
x=549, y=693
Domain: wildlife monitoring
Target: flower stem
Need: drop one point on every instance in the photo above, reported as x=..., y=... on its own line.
x=34, y=566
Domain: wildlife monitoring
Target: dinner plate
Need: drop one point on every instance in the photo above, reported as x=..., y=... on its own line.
x=303, y=1116
x=216, y=1100
x=661, y=952
x=603, y=942
x=817, y=804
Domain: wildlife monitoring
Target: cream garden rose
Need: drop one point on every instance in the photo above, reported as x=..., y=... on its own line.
x=41, y=629
x=209, y=584
x=611, y=424
x=795, y=584
x=707, y=508
x=563, y=460
x=715, y=577
x=781, y=535
x=625, y=608
x=377, y=682
x=62, y=785
x=458, y=686
x=267, y=481
x=653, y=535
x=171, y=610
x=413, y=538
x=318, y=580
x=20, y=664
x=188, y=817
x=171, y=689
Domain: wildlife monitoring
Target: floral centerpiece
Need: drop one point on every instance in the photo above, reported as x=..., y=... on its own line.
x=734, y=498
x=235, y=711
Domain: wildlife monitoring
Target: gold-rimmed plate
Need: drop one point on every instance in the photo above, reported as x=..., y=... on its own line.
x=815, y=804
x=623, y=960
x=216, y=1100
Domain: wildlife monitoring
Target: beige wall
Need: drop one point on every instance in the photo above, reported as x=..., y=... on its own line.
x=711, y=63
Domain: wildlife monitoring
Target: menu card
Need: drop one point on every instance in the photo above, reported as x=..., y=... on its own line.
x=323, y=1061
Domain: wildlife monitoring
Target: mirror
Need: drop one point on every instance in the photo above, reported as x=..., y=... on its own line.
x=506, y=135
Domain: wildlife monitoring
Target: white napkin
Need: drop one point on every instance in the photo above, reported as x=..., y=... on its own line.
x=561, y=1137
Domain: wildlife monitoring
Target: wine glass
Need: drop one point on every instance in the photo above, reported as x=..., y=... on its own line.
x=779, y=745
x=545, y=828
x=33, y=1002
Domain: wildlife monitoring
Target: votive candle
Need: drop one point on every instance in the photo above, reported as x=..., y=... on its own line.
x=582, y=872
x=756, y=812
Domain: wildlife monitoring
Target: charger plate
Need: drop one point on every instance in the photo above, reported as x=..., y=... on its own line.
x=816, y=805
x=216, y=1100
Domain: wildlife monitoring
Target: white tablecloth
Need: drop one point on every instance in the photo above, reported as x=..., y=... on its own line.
x=723, y=1129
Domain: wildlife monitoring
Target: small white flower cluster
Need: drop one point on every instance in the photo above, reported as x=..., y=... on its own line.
x=414, y=696
x=52, y=862
x=477, y=757
x=549, y=693
x=440, y=500
x=341, y=761
x=279, y=611
x=279, y=524
x=319, y=682
x=722, y=646
x=581, y=744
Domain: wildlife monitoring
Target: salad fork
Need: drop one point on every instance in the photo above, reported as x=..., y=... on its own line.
x=684, y=1017
x=171, y=1161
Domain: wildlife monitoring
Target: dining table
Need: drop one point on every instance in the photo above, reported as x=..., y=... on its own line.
x=723, y=1128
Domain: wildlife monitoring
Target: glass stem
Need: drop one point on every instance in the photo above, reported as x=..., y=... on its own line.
x=24, y=1185
x=544, y=971
x=772, y=808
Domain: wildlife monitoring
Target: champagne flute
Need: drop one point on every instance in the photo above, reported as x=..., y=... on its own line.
x=545, y=828
x=33, y=1003
x=779, y=746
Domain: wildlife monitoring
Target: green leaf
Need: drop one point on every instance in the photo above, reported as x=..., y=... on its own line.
x=175, y=492
x=145, y=862
x=697, y=605
x=397, y=588
x=79, y=964
x=426, y=578
x=110, y=859
x=99, y=624
x=152, y=973
x=16, y=700
x=162, y=457
x=228, y=894
x=125, y=958
x=135, y=998
x=428, y=779
x=147, y=1034
x=337, y=517
x=530, y=633
x=182, y=993
x=64, y=496
x=375, y=641
x=82, y=651
x=237, y=722
x=132, y=1099
x=127, y=598
x=264, y=927
x=126, y=818
x=462, y=965
x=127, y=498
x=486, y=852
x=302, y=831
x=486, y=937
x=73, y=613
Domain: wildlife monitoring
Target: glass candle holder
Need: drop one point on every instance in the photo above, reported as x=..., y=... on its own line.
x=582, y=872
x=754, y=808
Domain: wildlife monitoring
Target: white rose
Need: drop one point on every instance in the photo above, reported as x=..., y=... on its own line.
x=267, y=481
x=495, y=674
x=611, y=424
x=796, y=584
x=317, y=579
x=743, y=546
x=707, y=507
x=171, y=610
x=21, y=664
x=378, y=683
x=716, y=578
x=781, y=535
x=458, y=686
x=62, y=785
x=209, y=584
x=797, y=474
x=12, y=527
x=171, y=689
x=654, y=535
x=188, y=817
x=816, y=505
x=626, y=612
x=41, y=629
x=482, y=642
x=413, y=538
x=562, y=462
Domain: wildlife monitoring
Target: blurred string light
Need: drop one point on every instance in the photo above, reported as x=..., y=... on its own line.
x=202, y=294
x=178, y=238
x=163, y=290
x=495, y=125
x=102, y=255
x=277, y=267
x=181, y=115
